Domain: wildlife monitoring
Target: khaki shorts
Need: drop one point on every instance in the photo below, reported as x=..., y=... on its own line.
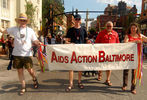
x=20, y=62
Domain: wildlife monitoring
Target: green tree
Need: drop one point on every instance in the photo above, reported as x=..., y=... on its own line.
x=30, y=11
x=92, y=31
x=49, y=9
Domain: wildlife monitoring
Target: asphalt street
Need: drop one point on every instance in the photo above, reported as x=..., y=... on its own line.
x=53, y=83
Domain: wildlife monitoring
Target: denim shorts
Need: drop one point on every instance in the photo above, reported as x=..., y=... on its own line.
x=22, y=62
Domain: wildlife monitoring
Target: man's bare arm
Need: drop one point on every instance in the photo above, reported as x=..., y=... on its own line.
x=3, y=31
x=37, y=43
x=67, y=40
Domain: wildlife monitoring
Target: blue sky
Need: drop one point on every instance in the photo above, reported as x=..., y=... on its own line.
x=96, y=5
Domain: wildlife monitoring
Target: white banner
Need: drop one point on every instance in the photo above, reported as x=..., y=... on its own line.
x=89, y=57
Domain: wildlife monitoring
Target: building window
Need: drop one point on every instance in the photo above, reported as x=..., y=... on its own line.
x=2, y=22
x=5, y=24
x=5, y=3
x=145, y=6
x=38, y=1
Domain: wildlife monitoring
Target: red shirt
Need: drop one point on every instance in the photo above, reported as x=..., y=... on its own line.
x=133, y=39
x=103, y=37
x=2, y=39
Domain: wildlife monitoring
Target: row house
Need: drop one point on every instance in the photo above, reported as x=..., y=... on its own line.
x=10, y=9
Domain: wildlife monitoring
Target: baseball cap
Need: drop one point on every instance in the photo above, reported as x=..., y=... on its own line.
x=77, y=16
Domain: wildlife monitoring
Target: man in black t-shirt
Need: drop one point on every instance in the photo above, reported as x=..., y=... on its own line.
x=77, y=35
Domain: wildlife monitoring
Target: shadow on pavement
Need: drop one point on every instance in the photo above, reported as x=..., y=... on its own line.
x=58, y=86
x=4, y=57
x=11, y=88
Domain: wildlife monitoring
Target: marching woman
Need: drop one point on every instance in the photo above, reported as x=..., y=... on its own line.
x=133, y=35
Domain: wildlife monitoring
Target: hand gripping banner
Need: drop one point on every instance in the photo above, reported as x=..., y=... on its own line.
x=89, y=57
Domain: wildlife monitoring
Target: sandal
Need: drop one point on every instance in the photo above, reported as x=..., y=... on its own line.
x=22, y=91
x=99, y=76
x=80, y=85
x=68, y=89
x=133, y=91
x=36, y=84
x=124, y=88
x=108, y=83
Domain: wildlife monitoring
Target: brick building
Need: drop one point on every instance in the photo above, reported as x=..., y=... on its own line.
x=103, y=19
x=144, y=17
x=117, y=14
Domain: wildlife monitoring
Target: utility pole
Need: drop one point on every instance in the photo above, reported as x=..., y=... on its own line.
x=87, y=20
x=99, y=23
x=72, y=11
x=76, y=11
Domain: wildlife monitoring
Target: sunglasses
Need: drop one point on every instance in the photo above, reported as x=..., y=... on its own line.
x=109, y=26
x=23, y=20
x=78, y=19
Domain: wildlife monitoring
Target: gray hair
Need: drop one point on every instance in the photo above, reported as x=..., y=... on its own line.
x=109, y=22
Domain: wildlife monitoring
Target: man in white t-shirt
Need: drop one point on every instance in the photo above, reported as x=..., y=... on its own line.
x=24, y=37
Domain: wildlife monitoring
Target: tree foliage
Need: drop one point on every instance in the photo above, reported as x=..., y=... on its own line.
x=50, y=8
x=30, y=11
x=92, y=31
